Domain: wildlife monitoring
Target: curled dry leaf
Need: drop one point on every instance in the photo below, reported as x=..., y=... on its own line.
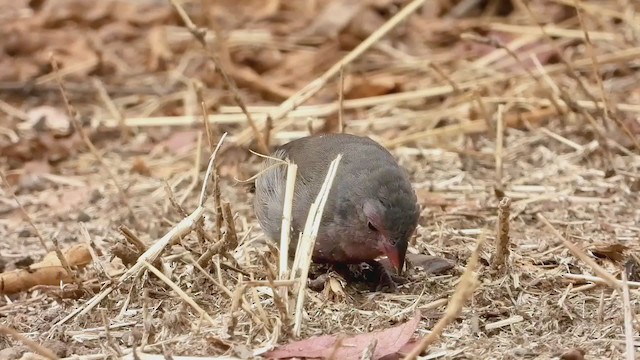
x=389, y=342
x=48, y=271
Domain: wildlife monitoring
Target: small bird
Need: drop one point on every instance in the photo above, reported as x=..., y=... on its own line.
x=371, y=210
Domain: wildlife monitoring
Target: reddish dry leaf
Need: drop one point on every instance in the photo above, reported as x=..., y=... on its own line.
x=390, y=341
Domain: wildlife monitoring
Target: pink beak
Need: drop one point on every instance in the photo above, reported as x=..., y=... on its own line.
x=394, y=256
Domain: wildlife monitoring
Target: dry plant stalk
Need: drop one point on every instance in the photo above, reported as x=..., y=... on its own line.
x=464, y=290
x=627, y=54
x=184, y=296
x=341, y=101
x=196, y=170
x=628, y=319
x=574, y=75
x=65, y=263
x=184, y=227
x=207, y=125
x=501, y=256
x=304, y=250
x=199, y=35
x=314, y=86
x=34, y=346
x=499, y=145
x=73, y=115
x=113, y=109
x=24, y=212
x=604, y=274
x=285, y=230
x=499, y=45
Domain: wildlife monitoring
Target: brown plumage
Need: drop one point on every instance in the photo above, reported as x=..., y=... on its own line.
x=371, y=211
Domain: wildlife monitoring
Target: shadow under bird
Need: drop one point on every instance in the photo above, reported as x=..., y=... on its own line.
x=371, y=210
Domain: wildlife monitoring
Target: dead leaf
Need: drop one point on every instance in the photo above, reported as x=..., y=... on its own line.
x=334, y=289
x=431, y=264
x=390, y=341
x=614, y=252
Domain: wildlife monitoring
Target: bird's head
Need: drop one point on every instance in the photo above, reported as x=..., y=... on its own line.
x=391, y=218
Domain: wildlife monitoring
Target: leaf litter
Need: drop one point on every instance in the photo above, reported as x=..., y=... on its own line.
x=433, y=90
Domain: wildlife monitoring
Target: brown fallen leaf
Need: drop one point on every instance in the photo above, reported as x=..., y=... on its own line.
x=389, y=342
x=48, y=271
x=614, y=252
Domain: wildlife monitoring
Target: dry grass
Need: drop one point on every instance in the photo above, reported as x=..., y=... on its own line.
x=557, y=140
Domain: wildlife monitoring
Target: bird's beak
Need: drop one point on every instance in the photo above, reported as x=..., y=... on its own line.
x=396, y=254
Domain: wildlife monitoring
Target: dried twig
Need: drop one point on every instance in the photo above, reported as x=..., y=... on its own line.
x=501, y=256
x=74, y=116
x=179, y=230
x=304, y=250
x=628, y=320
x=199, y=35
x=464, y=290
x=39, y=349
x=611, y=281
x=24, y=212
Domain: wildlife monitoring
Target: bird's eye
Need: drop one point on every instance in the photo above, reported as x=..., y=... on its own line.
x=371, y=227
